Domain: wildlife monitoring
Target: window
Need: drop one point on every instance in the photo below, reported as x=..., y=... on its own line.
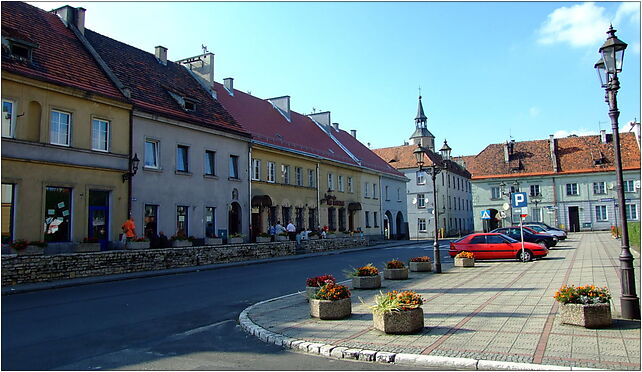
x=330, y=182
x=256, y=169
x=534, y=190
x=571, y=189
x=350, y=184
x=151, y=154
x=234, y=166
x=631, y=212
x=181, y=158
x=271, y=171
x=387, y=198
x=311, y=178
x=367, y=219
x=374, y=190
x=629, y=185
x=21, y=49
x=210, y=222
x=340, y=183
x=60, y=128
x=286, y=214
x=189, y=105
x=151, y=220
x=298, y=174
x=599, y=188
x=342, y=219
x=8, y=119
x=298, y=218
x=421, y=178
x=285, y=172
x=99, y=135
x=374, y=217
x=421, y=224
x=57, y=214
x=495, y=193
x=398, y=194
x=600, y=213
x=182, y=222
x=209, y=162
x=421, y=201
x=8, y=208
x=312, y=220
x=366, y=192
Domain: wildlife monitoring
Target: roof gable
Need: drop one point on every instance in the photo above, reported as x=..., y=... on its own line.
x=367, y=157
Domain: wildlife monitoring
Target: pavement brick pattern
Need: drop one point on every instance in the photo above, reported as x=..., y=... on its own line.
x=499, y=310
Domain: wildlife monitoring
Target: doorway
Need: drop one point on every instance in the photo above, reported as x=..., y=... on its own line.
x=234, y=224
x=99, y=217
x=574, y=219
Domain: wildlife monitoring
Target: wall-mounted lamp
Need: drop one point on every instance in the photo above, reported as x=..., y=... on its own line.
x=133, y=168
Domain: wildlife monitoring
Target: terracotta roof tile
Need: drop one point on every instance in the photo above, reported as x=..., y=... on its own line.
x=59, y=57
x=403, y=157
x=367, y=157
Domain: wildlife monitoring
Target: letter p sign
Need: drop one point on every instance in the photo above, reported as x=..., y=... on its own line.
x=519, y=200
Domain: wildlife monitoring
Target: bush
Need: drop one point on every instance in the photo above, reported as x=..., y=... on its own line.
x=333, y=292
x=634, y=234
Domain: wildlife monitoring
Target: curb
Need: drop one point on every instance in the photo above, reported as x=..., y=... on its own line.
x=376, y=356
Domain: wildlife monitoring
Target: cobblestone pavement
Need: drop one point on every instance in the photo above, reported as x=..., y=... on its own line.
x=500, y=310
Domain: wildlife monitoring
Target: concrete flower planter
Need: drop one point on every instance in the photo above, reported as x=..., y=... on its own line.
x=366, y=282
x=281, y=238
x=30, y=250
x=137, y=245
x=263, y=239
x=588, y=316
x=181, y=243
x=330, y=236
x=213, y=241
x=313, y=237
x=329, y=310
x=311, y=291
x=464, y=262
x=87, y=247
x=399, y=322
x=420, y=266
x=235, y=240
x=395, y=274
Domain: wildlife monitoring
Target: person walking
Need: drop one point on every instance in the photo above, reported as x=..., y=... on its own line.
x=129, y=229
x=291, y=230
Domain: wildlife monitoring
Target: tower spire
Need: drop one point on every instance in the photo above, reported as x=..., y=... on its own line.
x=422, y=135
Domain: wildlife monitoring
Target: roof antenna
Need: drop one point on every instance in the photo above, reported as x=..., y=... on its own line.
x=204, y=47
x=599, y=124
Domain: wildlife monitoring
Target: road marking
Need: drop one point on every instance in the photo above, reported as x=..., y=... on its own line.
x=200, y=329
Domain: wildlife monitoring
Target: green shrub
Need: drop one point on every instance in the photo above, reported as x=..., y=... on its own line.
x=634, y=234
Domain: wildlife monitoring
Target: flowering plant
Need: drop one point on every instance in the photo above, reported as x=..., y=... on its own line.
x=465, y=254
x=367, y=270
x=588, y=294
x=318, y=281
x=19, y=244
x=420, y=259
x=332, y=291
x=396, y=301
x=90, y=240
x=395, y=264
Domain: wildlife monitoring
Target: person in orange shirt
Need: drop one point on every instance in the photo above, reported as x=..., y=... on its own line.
x=129, y=229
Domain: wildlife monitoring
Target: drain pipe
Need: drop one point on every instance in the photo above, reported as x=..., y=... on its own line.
x=318, y=216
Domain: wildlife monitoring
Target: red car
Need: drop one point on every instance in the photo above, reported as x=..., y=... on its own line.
x=492, y=245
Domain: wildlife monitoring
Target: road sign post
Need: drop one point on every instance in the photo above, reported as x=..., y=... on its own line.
x=519, y=200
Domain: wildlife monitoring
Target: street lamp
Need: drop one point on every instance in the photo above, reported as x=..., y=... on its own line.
x=608, y=67
x=434, y=170
x=537, y=198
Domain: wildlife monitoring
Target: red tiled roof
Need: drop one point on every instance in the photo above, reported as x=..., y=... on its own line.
x=150, y=83
x=367, y=157
x=403, y=157
x=268, y=125
x=574, y=155
x=59, y=58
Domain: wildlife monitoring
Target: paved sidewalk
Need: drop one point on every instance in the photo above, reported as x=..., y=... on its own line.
x=487, y=317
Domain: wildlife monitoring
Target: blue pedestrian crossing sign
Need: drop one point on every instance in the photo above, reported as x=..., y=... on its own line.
x=519, y=200
x=485, y=214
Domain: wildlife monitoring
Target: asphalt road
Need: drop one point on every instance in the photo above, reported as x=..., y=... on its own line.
x=175, y=322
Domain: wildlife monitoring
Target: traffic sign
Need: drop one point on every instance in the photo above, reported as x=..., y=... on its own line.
x=501, y=215
x=524, y=212
x=518, y=199
x=485, y=214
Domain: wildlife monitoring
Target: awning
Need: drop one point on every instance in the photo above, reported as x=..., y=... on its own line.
x=354, y=207
x=261, y=201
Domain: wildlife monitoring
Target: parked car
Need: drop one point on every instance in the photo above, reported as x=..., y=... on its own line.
x=493, y=245
x=529, y=235
x=545, y=226
x=560, y=234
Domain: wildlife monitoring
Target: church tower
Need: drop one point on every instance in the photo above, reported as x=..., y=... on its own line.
x=422, y=135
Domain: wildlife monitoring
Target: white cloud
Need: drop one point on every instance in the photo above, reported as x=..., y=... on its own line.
x=579, y=132
x=578, y=25
x=627, y=11
x=534, y=111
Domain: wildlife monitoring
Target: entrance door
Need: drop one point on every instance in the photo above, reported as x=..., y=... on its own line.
x=574, y=219
x=256, y=225
x=98, y=226
x=351, y=220
x=234, y=219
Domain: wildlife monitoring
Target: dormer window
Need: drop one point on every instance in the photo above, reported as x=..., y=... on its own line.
x=188, y=104
x=19, y=49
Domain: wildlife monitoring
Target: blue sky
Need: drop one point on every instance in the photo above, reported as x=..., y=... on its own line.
x=487, y=70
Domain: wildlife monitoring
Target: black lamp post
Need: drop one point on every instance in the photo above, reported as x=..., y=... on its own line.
x=133, y=168
x=608, y=67
x=536, y=199
x=434, y=170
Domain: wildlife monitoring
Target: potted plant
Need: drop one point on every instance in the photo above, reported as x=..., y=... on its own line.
x=180, y=240
x=138, y=243
x=263, y=238
x=235, y=238
x=395, y=270
x=365, y=277
x=330, y=234
x=313, y=284
x=332, y=301
x=282, y=236
x=465, y=259
x=398, y=312
x=26, y=248
x=87, y=245
x=212, y=240
x=421, y=264
x=313, y=235
x=587, y=306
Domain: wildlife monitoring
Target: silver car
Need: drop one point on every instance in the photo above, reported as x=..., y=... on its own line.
x=561, y=235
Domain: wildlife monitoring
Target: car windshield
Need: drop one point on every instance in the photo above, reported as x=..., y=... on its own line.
x=508, y=238
x=536, y=228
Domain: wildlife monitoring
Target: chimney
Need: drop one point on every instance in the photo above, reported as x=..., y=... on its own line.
x=229, y=85
x=506, y=152
x=336, y=126
x=282, y=104
x=551, y=143
x=80, y=19
x=161, y=55
x=353, y=132
x=323, y=118
x=603, y=136
x=72, y=16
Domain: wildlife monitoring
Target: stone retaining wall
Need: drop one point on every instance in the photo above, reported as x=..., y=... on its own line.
x=322, y=245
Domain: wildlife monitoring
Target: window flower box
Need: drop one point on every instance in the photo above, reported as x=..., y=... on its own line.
x=213, y=241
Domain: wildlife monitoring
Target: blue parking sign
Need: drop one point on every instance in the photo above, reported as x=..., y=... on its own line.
x=519, y=199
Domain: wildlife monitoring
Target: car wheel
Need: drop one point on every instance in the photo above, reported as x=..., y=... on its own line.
x=525, y=256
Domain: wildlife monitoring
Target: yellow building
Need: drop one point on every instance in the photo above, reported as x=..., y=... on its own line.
x=65, y=135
